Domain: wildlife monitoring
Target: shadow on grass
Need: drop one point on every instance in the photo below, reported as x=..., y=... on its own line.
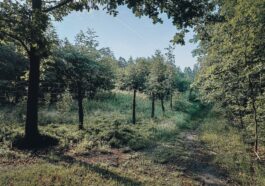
x=107, y=174
x=188, y=154
x=193, y=158
x=40, y=142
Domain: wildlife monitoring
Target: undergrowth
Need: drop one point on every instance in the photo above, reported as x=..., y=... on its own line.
x=231, y=153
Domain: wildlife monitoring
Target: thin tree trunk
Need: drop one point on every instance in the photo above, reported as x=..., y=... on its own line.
x=17, y=95
x=171, y=101
x=31, y=128
x=80, y=108
x=134, y=106
x=153, y=106
x=254, y=114
x=255, y=122
x=240, y=114
x=162, y=106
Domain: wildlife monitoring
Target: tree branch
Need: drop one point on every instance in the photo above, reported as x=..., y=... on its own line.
x=17, y=39
x=62, y=3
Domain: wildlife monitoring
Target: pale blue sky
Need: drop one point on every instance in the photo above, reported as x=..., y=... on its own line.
x=126, y=34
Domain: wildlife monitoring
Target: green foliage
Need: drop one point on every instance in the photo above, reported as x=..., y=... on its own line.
x=66, y=102
x=232, y=64
x=134, y=76
x=13, y=66
x=191, y=107
x=157, y=78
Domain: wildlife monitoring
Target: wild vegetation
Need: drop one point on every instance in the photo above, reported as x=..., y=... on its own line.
x=73, y=114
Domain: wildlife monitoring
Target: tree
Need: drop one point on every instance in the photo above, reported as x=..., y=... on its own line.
x=171, y=73
x=133, y=78
x=83, y=69
x=79, y=70
x=157, y=81
x=84, y=76
x=26, y=23
x=122, y=62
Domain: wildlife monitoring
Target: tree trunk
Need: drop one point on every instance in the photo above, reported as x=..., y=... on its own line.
x=17, y=95
x=256, y=126
x=240, y=114
x=31, y=128
x=133, y=107
x=253, y=101
x=153, y=106
x=80, y=108
x=171, y=101
x=162, y=106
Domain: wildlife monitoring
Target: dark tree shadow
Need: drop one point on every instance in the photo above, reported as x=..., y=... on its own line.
x=41, y=142
x=107, y=174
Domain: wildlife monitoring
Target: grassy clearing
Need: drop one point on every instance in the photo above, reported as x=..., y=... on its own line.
x=179, y=148
x=110, y=151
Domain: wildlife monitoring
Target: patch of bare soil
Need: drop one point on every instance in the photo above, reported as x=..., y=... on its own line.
x=200, y=163
x=112, y=157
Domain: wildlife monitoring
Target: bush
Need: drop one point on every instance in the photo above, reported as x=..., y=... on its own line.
x=125, y=136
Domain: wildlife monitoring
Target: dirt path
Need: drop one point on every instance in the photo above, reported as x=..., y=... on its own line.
x=200, y=165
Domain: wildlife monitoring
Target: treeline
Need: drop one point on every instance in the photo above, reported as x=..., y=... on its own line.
x=82, y=69
x=232, y=65
x=158, y=77
x=26, y=24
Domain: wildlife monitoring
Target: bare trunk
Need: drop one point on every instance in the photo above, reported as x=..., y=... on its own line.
x=80, y=108
x=256, y=126
x=31, y=128
x=162, y=106
x=133, y=107
x=253, y=101
x=153, y=106
x=240, y=114
x=171, y=101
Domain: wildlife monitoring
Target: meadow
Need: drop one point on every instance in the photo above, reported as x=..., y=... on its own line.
x=178, y=148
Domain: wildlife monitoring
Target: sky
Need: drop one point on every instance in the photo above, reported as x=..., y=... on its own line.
x=127, y=35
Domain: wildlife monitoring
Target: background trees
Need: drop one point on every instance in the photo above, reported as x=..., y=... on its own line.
x=83, y=69
x=79, y=68
x=157, y=81
x=171, y=73
x=156, y=76
x=13, y=67
x=26, y=24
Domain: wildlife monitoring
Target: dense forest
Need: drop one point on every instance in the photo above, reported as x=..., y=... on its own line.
x=72, y=113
